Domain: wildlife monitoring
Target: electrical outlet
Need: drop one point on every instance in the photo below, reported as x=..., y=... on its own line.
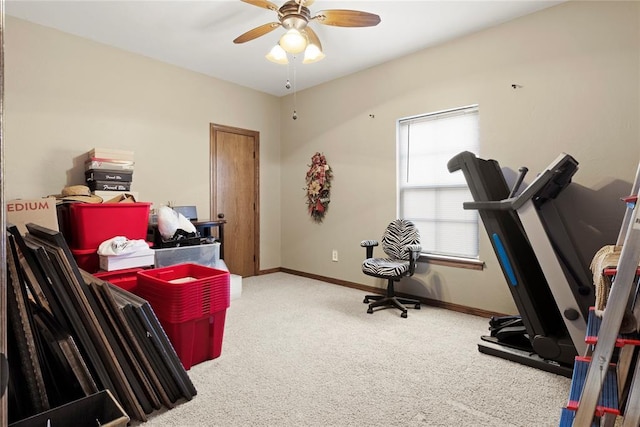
x=334, y=256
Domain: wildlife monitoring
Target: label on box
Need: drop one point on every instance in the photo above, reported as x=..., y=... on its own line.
x=108, y=175
x=110, y=164
x=37, y=211
x=109, y=185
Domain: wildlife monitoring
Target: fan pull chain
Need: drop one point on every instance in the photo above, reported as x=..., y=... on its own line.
x=287, y=85
x=295, y=114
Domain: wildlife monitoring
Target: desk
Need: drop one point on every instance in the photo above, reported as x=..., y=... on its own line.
x=204, y=228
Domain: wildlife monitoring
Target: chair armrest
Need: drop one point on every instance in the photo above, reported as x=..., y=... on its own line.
x=414, y=249
x=414, y=254
x=369, y=244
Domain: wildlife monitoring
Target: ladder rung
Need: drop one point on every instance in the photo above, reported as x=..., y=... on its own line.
x=595, y=383
x=612, y=271
x=608, y=399
x=593, y=328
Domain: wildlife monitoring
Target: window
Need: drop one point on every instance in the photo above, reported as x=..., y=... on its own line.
x=428, y=194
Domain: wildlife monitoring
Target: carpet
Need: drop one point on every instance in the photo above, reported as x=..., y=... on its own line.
x=301, y=352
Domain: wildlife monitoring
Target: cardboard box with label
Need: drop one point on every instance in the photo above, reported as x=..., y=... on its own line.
x=38, y=211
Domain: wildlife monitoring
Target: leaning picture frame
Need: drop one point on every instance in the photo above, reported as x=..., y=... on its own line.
x=86, y=306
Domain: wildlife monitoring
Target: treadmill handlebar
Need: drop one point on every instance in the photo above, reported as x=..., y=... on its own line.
x=522, y=173
x=455, y=163
x=491, y=205
x=534, y=189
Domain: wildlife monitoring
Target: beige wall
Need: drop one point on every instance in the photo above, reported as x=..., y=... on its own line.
x=579, y=68
x=66, y=95
x=578, y=64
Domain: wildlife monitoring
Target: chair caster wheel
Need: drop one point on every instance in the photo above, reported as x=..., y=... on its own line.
x=370, y=310
x=404, y=314
x=366, y=301
x=417, y=307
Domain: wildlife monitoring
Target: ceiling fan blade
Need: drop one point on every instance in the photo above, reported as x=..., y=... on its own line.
x=347, y=18
x=262, y=3
x=313, y=37
x=257, y=32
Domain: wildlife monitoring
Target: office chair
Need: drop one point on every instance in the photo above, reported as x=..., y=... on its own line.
x=401, y=244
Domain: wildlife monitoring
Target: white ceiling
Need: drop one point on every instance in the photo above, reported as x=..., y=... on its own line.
x=198, y=35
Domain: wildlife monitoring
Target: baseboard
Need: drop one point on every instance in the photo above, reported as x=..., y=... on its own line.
x=269, y=271
x=374, y=290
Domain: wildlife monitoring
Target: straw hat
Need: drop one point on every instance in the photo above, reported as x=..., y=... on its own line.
x=78, y=193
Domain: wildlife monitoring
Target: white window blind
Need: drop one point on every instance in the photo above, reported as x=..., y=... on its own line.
x=428, y=194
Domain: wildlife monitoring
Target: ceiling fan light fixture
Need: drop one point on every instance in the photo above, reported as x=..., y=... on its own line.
x=293, y=41
x=278, y=55
x=312, y=54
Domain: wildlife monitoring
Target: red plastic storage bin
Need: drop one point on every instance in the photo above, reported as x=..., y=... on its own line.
x=93, y=223
x=87, y=259
x=126, y=279
x=196, y=340
x=184, y=291
x=191, y=302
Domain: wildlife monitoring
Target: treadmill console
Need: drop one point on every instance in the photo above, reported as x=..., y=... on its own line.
x=548, y=184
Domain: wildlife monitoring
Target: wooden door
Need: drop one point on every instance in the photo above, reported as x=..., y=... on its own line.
x=234, y=185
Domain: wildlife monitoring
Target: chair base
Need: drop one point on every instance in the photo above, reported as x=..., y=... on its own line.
x=386, y=301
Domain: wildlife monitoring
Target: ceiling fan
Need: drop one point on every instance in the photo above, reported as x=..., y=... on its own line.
x=294, y=16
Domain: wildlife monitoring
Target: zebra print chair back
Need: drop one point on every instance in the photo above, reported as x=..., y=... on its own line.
x=401, y=244
x=398, y=235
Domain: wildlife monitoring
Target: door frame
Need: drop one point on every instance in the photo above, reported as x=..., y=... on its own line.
x=213, y=128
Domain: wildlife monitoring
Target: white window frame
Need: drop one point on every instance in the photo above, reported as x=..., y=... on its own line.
x=453, y=187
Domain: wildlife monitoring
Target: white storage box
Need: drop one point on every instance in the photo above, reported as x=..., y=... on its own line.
x=119, y=262
x=207, y=255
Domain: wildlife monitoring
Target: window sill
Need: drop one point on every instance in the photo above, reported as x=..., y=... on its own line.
x=448, y=261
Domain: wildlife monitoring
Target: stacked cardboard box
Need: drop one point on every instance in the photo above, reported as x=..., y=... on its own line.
x=109, y=172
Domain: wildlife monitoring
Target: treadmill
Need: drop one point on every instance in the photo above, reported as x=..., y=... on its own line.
x=550, y=287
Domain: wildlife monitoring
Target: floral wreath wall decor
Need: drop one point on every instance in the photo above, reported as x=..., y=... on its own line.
x=318, y=187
